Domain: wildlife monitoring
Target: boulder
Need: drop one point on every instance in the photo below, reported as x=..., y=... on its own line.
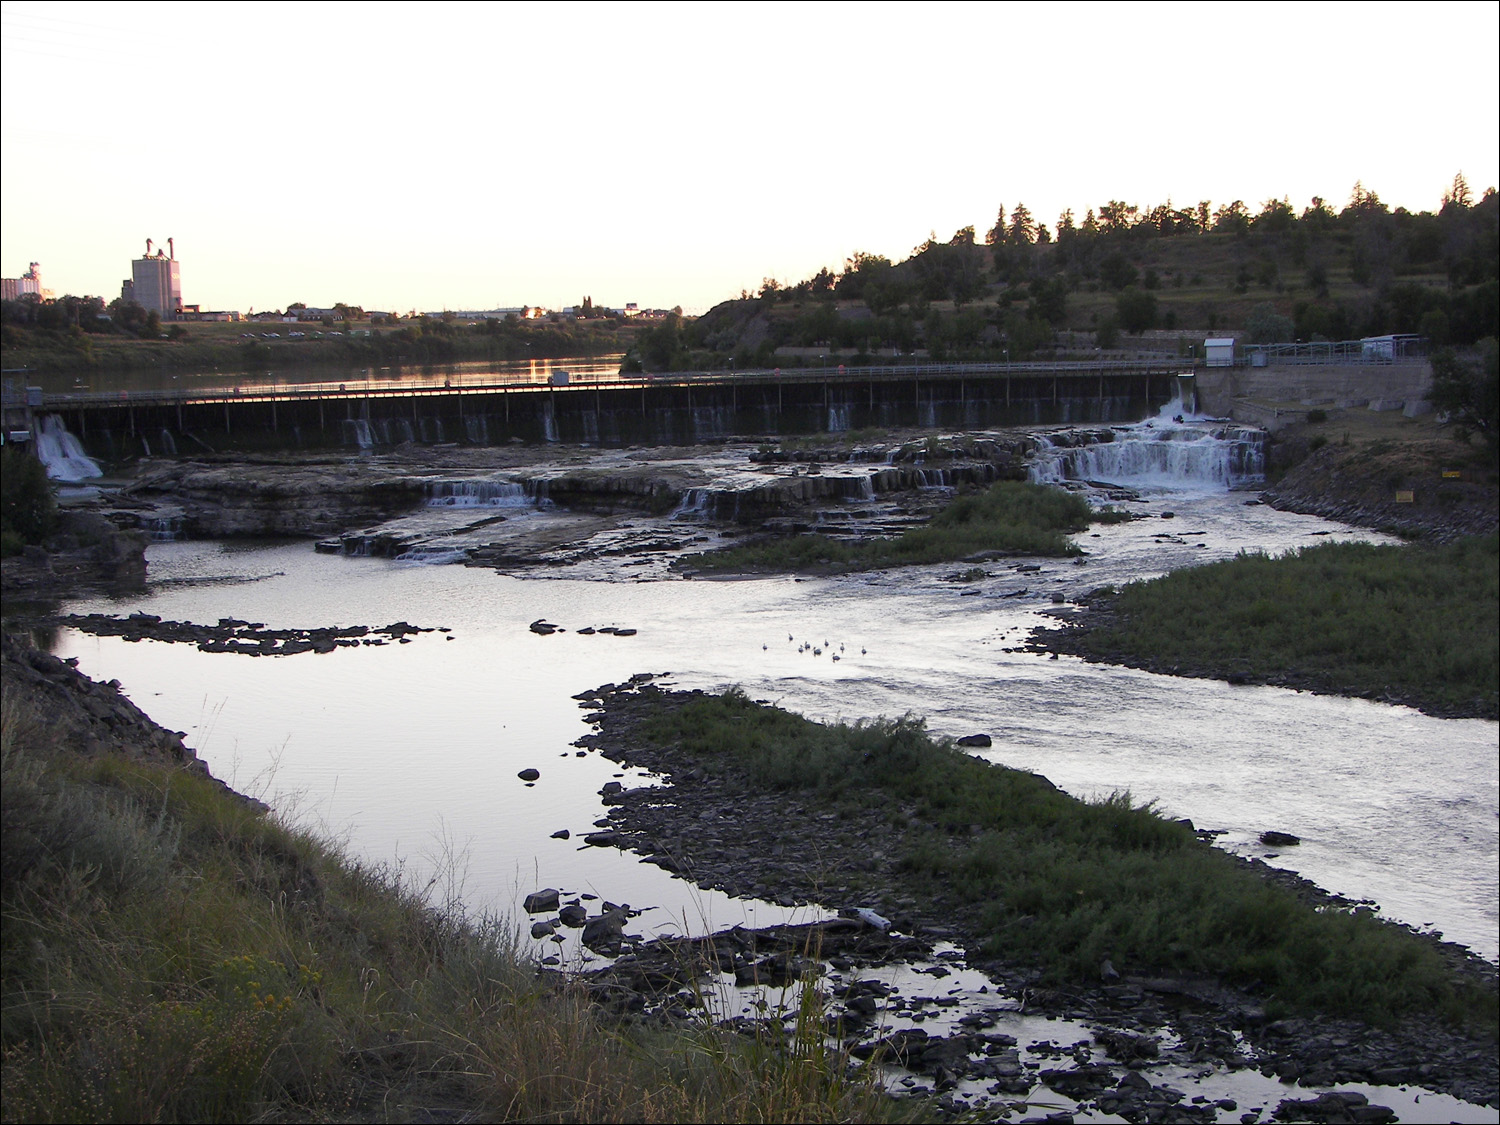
x=976, y=740
x=573, y=915
x=539, y=902
x=529, y=774
x=605, y=930
x=1275, y=839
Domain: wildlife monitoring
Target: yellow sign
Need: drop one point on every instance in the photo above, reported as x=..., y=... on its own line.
x=1404, y=496
x=1453, y=474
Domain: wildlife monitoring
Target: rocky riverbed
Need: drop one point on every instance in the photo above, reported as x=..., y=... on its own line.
x=713, y=827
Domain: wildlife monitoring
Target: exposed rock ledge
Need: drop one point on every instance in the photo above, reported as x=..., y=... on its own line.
x=1367, y=484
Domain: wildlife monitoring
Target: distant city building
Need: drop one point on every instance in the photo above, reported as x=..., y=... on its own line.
x=30, y=282
x=156, y=282
x=483, y=314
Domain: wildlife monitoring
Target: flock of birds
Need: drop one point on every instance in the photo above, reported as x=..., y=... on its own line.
x=816, y=649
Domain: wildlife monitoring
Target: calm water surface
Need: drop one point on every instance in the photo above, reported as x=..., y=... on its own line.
x=411, y=751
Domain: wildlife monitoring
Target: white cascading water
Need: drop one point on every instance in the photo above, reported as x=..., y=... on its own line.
x=696, y=504
x=480, y=494
x=62, y=453
x=1173, y=450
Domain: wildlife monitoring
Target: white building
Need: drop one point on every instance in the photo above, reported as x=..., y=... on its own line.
x=156, y=283
x=1219, y=351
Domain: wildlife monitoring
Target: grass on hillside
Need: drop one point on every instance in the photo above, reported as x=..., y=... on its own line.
x=1009, y=517
x=1416, y=622
x=172, y=954
x=1065, y=884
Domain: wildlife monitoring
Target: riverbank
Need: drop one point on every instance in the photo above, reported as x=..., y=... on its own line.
x=175, y=952
x=457, y=1026
x=762, y=802
x=1406, y=476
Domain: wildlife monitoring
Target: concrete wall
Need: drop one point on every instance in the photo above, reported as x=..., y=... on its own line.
x=1247, y=393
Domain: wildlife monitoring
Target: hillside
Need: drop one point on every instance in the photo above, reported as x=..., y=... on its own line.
x=1129, y=278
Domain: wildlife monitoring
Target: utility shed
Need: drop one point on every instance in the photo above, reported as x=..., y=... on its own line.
x=1219, y=351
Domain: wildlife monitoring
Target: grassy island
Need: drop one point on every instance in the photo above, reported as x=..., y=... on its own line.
x=1008, y=518
x=1410, y=624
x=1040, y=877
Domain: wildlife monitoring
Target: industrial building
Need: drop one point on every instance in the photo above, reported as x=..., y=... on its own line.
x=156, y=282
x=30, y=282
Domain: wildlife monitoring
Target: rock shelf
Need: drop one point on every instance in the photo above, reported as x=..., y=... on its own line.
x=247, y=638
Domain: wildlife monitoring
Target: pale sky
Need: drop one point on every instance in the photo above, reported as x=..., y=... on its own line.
x=473, y=156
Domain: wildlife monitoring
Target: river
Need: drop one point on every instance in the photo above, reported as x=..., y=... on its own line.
x=410, y=752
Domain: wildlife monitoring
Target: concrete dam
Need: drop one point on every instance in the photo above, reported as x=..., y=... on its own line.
x=680, y=408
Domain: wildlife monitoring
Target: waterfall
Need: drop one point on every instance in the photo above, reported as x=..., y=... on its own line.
x=162, y=529
x=358, y=429
x=696, y=504
x=168, y=442
x=549, y=421
x=858, y=488
x=710, y=422
x=432, y=555
x=1172, y=450
x=62, y=453
x=486, y=494
x=838, y=417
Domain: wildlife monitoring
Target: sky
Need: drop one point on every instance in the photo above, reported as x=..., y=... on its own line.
x=471, y=156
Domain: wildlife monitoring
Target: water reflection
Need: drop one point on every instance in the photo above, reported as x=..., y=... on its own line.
x=329, y=378
x=386, y=744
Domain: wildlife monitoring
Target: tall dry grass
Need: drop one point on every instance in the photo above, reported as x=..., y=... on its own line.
x=172, y=953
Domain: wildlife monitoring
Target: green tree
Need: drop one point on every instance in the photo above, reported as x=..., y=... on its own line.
x=1117, y=272
x=660, y=345
x=995, y=236
x=1136, y=309
x=1468, y=391
x=1049, y=300
x=27, y=508
x=1232, y=218
x=1265, y=325
x=1022, y=227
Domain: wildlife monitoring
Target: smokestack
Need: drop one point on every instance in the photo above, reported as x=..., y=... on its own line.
x=171, y=249
x=148, y=248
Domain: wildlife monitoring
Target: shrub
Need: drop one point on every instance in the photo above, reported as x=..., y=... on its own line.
x=27, y=508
